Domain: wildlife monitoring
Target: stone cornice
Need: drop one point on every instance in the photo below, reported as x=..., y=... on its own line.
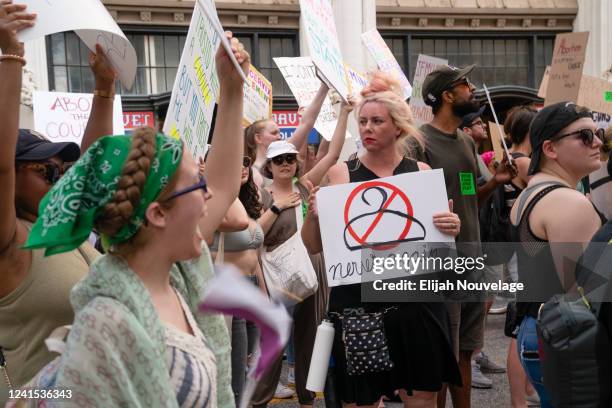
x=474, y=19
x=178, y=13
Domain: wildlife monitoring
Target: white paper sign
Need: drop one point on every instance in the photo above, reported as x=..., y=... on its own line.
x=323, y=43
x=425, y=64
x=304, y=84
x=356, y=79
x=257, y=97
x=62, y=117
x=374, y=212
x=384, y=58
x=196, y=87
x=92, y=23
x=209, y=9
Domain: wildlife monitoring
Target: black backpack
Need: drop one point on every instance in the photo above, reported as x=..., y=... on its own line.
x=575, y=353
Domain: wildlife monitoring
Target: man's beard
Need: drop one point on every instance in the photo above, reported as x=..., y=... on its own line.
x=460, y=109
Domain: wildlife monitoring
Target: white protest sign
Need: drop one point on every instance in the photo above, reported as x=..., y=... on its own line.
x=62, y=117
x=356, y=79
x=300, y=75
x=209, y=9
x=425, y=64
x=384, y=59
x=390, y=210
x=92, y=23
x=196, y=87
x=257, y=97
x=323, y=44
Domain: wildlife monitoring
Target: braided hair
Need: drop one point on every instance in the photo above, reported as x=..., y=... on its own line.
x=131, y=183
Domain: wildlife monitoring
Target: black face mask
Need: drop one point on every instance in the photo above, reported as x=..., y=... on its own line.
x=460, y=109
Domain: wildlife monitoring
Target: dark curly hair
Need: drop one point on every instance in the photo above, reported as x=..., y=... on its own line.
x=249, y=197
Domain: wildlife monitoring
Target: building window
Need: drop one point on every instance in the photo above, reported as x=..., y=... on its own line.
x=157, y=62
x=500, y=60
x=265, y=46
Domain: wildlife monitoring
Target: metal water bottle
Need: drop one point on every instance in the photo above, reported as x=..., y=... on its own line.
x=321, y=352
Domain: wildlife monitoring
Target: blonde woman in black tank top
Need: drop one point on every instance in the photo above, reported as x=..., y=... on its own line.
x=421, y=363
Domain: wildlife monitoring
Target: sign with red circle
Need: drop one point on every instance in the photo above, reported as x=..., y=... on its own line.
x=384, y=188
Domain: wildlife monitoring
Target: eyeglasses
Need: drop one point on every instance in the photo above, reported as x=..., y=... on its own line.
x=246, y=162
x=50, y=171
x=586, y=135
x=290, y=158
x=479, y=123
x=201, y=185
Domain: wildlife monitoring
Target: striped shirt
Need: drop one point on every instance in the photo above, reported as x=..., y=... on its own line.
x=192, y=365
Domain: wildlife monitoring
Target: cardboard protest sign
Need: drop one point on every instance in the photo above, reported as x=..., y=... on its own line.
x=92, y=23
x=300, y=75
x=593, y=93
x=62, y=117
x=397, y=209
x=196, y=87
x=257, y=97
x=566, y=67
x=496, y=141
x=420, y=111
x=544, y=83
x=318, y=17
x=384, y=59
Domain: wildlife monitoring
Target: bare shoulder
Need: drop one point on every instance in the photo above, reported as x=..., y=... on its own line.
x=423, y=166
x=338, y=174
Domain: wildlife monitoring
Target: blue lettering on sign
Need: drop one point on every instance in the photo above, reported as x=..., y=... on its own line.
x=286, y=133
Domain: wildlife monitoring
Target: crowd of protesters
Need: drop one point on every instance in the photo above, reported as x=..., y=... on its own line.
x=160, y=220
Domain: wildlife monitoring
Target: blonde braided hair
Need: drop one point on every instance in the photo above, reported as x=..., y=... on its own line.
x=130, y=186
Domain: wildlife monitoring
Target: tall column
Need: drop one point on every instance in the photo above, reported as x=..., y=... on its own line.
x=595, y=16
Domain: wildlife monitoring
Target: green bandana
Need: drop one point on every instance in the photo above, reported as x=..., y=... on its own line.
x=67, y=213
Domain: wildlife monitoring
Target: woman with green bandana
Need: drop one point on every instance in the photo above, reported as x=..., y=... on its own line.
x=136, y=340
x=34, y=290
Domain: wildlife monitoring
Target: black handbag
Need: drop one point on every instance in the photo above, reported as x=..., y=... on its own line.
x=365, y=343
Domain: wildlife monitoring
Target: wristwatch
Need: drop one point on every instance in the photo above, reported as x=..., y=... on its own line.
x=275, y=209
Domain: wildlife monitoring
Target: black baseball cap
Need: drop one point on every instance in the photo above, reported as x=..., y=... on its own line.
x=440, y=80
x=32, y=146
x=548, y=123
x=470, y=117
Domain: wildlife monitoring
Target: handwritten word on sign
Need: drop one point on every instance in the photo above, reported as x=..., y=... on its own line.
x=425, y=64
x=92, y=23
x=384, y=213
x=196, y=87
x=323, y=44
x=566, y=67
x=257, y=97
x=300, y=75
x=384, y=58
x=62, y=117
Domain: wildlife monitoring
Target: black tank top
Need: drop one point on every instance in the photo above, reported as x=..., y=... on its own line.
x=348, y=296
x=536, y=267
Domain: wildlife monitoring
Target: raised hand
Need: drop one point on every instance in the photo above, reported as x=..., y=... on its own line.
x=225, y=68
x=13, y=18
x=103, y=71
x=312, y=200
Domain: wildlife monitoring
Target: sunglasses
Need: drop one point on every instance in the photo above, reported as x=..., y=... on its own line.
x=200, y=185
x=460, y=81
x=586, y=135
x=290, y=158
x=246, y=162
x=50, y=171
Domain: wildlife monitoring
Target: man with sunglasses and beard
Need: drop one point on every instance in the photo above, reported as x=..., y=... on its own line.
x=451, y=96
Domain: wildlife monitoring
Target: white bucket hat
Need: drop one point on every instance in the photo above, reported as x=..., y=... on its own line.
x=280, y=147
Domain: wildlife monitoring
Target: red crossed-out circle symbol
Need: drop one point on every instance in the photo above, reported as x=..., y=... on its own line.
x=395, y=192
